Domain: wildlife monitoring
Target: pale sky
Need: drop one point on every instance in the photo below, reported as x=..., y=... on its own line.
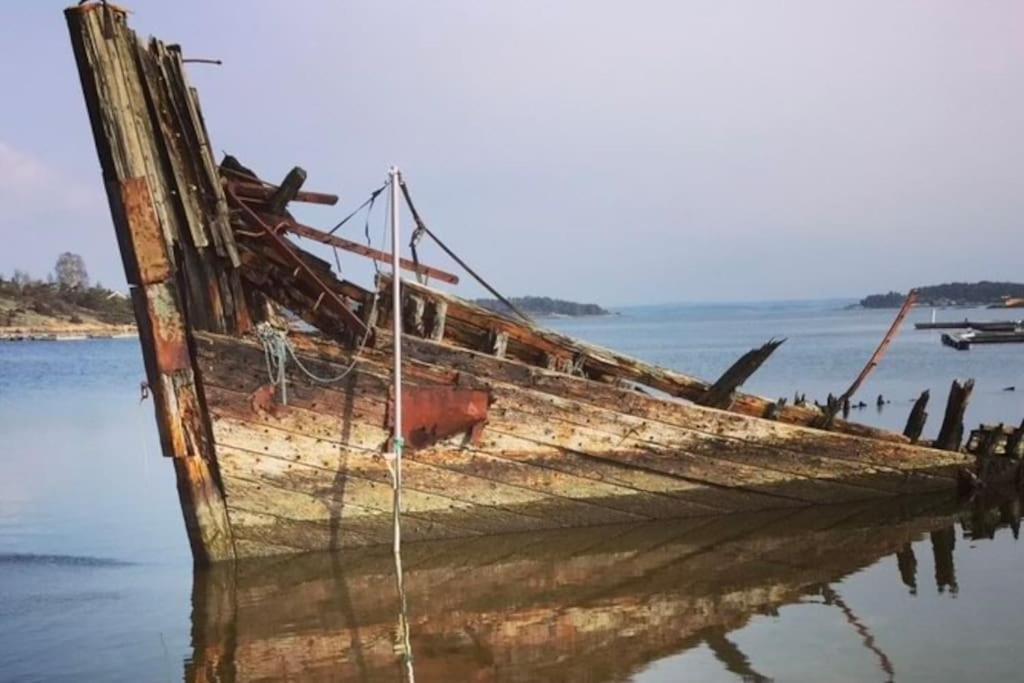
x=617, y=152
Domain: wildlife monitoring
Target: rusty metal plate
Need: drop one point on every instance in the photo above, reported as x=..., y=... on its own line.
x=432, y=414
x=167, y=324
x=144, y=226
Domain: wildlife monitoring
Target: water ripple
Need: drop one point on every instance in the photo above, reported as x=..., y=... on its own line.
x=33, y=559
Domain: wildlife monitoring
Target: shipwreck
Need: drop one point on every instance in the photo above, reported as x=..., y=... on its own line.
x=508, y=427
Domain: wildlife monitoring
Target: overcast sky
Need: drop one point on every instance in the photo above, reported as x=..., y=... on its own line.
x=614, y=152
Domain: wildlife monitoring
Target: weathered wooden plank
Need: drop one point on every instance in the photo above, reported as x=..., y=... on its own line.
x=138, y=188
x=375, y=495
x=147, y=240
x=879, y=475
x=777, y=439
x=345, y=522
x=630, y=405
x=506, y=484
x=532, y=345
x=357, y=407
x=427, y=477
x=361, y=403
x=634, y=403
x=234, y=426
x=642, y=433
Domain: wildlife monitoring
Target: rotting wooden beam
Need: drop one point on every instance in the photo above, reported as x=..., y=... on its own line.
x=352, y=322
x=164, y=245
x=721, y=393
x=952, y=431
x=834, y=406
x=467, y=325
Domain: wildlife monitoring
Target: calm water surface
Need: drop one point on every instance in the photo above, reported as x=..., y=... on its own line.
x=96, y=582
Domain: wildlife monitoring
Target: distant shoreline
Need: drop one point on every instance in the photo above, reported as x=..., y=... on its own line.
x=543, y=307
x=67, y=333
x=984, y=294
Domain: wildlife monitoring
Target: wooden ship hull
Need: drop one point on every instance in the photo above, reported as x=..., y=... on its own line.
x=595, y=604
x=509, y=427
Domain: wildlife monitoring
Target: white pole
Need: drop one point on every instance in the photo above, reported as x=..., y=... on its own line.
x=396, y=481
x=396, y=311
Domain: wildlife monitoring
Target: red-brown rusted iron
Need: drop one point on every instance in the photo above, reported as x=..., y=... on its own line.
x=352, y=321
x=288, y=225
x=262, y=399
x=147, y=238
x=253, y=190
x=170, y=342
x=432, y=414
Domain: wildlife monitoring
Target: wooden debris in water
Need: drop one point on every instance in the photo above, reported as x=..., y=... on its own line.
x=952, y=431
x=918, y=417
x=722, y=392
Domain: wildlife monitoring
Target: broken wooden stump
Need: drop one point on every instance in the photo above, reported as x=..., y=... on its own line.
x=991, y=439
x=1013, y=442
x=952, y=431
x=286, y=191
x=722, y=392
x=918, y=416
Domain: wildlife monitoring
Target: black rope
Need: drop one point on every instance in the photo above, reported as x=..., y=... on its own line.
x=370, y=201
x=414, y=241
x=366, y=225
x=421, y=226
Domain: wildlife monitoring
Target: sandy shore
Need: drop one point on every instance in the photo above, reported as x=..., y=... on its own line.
x=66, y=332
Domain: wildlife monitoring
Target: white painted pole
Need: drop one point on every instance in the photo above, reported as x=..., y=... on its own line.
x=396, y=480
x=396, y=311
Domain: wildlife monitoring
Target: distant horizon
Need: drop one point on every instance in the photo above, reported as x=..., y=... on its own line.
x=123, y=289
x=596, y=150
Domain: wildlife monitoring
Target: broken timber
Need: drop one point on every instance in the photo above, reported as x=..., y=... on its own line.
x=514, y=427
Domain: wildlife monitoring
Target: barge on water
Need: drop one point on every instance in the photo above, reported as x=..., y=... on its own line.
x=509, y=427
x=964, y=340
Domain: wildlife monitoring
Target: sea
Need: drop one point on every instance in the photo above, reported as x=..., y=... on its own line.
x=97, y=582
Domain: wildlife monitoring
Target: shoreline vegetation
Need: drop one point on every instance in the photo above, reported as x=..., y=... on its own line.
x=955, y=294
x=544, y=307
x=64, y=306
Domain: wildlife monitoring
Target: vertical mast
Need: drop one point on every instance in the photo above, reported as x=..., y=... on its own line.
x=396, y=311
x=396, y=478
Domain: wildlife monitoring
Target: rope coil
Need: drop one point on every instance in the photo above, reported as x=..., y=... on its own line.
x=277, y=349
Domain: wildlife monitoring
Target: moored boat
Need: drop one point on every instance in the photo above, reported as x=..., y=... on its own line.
x=280, y=436
x=569, y=605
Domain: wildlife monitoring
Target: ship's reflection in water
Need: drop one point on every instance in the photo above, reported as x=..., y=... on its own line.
x=598, y=604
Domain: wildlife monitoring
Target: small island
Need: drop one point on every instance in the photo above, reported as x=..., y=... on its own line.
x=984, y=293
x=543, y=307
x=63, y=306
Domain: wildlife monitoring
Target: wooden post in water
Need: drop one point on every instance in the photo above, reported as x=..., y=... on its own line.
x=722, y=392
x=952, y=431
x=1013, y=442
x=918, y=416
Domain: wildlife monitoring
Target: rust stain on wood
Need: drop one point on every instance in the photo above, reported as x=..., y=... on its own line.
x=147, y=238
x=169, y=334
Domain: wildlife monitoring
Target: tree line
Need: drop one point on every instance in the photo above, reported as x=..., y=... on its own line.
x=542, y=305
x=981, y=293
x=65, y=293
